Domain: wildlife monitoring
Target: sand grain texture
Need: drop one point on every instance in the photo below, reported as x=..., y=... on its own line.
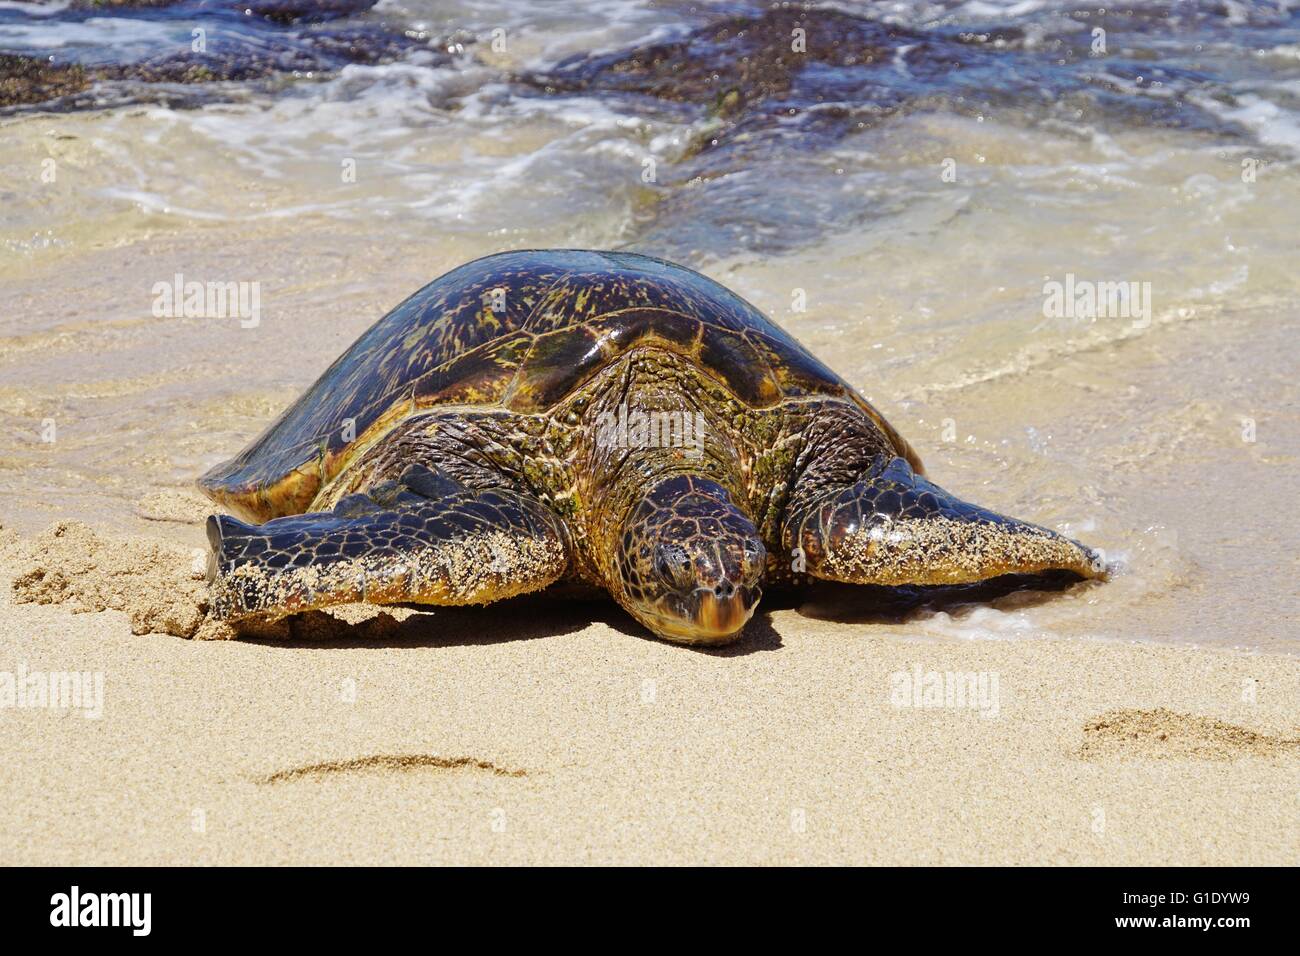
x=159, y=586
x=1163, y=734
x=557, y=733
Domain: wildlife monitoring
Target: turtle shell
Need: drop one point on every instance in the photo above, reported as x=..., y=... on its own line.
x=519, y=331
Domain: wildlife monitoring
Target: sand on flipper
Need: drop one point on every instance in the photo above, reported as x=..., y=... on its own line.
x=160, y=586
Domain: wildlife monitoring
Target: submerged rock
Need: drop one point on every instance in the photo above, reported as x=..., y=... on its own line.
x=305, y=11
x=25, y=79
x=277, y=11
x=819, y=74
x=749, y=71
x=284, y=36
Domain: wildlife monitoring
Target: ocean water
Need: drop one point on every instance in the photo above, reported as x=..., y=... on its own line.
x=913, y=189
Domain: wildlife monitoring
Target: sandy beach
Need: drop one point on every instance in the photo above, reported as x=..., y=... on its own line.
x=543, y=737
x=543, y=732
x=1151, y=719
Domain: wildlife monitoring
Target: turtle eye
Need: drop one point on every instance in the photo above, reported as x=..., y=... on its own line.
x=752, y=559
x=673, y=565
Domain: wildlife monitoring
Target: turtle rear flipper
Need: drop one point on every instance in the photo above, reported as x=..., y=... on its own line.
x=392, y=546
x=894, y=527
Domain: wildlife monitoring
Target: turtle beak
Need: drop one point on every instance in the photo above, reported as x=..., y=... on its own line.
x=722, y=611
x=707, y=615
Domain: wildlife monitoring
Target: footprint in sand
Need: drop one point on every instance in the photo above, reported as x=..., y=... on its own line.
x=388, y=763
x=1165, y=734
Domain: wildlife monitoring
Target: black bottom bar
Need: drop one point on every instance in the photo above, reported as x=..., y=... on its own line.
x=335, y=905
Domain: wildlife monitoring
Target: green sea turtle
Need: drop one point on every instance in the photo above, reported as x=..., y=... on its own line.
x=594, y=418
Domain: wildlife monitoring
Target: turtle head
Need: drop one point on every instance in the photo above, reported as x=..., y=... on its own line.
x=690, y=562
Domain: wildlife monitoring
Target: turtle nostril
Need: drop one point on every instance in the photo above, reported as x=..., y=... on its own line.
x=726, y=589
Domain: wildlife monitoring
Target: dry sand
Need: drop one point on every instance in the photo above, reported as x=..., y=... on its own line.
x=552, y=733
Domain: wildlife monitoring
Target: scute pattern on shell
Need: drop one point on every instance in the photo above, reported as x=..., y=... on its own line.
x=518, y=330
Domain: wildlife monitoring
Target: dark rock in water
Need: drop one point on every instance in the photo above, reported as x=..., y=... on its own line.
x=25, y=80
x=766, y=97
x=729, y=65
x=318, y=52
x=367, y=45
x=755, y=71
x=734, y=64
x=268, y=38
x=304, y=11
x=818, y=74
x=126, y=4
x=182, y=69
x=277, y=11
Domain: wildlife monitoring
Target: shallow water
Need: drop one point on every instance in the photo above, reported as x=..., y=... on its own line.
x=898, y=201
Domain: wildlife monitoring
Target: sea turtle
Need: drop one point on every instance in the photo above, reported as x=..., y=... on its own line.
x=595, y=418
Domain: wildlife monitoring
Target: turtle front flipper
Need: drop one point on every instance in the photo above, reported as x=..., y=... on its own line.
x=422, y=540
x=893, y=527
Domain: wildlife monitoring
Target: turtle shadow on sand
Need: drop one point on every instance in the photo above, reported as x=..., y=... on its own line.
x=535, y=617
x=528, y=618
x=871, y=604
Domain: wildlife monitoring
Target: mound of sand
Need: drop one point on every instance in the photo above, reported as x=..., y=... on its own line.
x=159, y=586
x=1162, y=733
